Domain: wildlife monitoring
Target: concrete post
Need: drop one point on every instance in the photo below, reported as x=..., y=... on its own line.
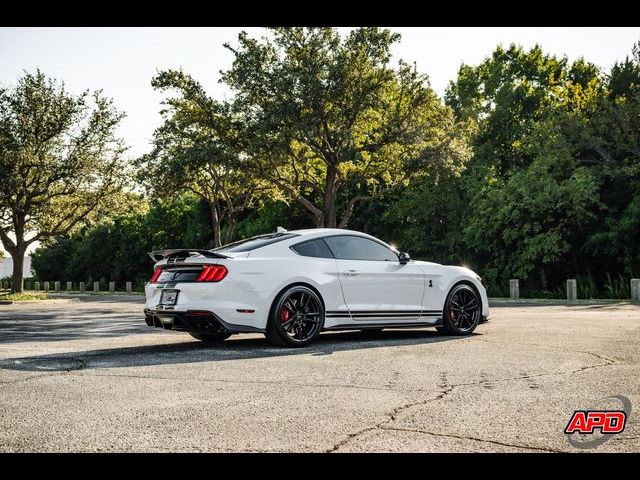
x=82, y=286
x=56, y=286
x=96, y=286
x=69, y=286
x=112, y=287
x=635, y=289
x=37, y=285
x=572, y=289
x=46, y=286
x=514, y=289
x=129, y=289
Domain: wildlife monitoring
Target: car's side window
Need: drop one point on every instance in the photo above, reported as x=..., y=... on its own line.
x=347, y=247
x=313, y=248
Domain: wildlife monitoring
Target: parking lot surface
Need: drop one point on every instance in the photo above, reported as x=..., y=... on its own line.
x=87, y=374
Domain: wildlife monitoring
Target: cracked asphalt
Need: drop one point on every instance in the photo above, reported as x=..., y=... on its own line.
x=86, y=374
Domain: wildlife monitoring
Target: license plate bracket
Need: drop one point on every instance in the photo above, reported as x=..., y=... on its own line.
x=169, y=297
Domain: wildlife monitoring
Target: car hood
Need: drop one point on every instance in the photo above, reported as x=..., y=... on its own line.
x=422, y=262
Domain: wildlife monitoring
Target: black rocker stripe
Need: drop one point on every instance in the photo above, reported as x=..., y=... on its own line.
x=382, y=313
x=350, y=326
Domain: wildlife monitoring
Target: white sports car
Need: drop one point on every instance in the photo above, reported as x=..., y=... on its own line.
x=291, y=285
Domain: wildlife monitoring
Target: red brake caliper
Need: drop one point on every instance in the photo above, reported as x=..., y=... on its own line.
x=284, y=314
x=452, y=314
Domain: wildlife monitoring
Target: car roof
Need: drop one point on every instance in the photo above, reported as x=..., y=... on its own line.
x=321, y=232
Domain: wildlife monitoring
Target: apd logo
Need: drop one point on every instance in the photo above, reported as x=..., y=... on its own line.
x=599, y=424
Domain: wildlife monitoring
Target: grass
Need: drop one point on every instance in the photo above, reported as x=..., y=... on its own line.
x=24, y=296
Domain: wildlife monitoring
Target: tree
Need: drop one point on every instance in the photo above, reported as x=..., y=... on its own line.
x=195, y=149
x=513, y=90
x=330, y=122
x=60, y=162
x=115, y=247
x=614, y=142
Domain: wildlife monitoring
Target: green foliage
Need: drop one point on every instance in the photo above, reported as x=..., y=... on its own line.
x=117, y=249
x=24, y=296
x=332, y=123
x=196, y=150
x=60, y=162
x=529, y=168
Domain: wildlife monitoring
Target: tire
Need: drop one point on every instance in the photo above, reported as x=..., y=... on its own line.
x=296, y=317
x=211, y=337
x=462, y=311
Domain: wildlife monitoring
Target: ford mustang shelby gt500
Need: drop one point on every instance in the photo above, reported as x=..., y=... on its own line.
x=290, y=285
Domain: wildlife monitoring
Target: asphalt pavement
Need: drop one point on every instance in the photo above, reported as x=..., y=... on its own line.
x=87, y=374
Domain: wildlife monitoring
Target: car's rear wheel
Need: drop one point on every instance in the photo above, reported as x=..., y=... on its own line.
x=462, y=311
x=296, y=318
x=211, y=337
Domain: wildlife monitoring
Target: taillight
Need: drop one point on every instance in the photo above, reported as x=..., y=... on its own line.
x=156, y=275
x=212, y=273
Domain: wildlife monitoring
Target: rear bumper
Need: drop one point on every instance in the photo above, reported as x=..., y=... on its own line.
x=193, y=321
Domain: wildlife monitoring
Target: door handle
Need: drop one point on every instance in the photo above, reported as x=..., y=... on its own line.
x=350, y=272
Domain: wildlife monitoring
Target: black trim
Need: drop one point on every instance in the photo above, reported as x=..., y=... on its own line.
x=270, y=239
x=361, y=326
x=158, y=255
x=182, y=321
x=382, y=313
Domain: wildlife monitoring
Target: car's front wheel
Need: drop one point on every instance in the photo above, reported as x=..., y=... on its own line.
x=211, y=337
x=296, y=318
x=462, y=311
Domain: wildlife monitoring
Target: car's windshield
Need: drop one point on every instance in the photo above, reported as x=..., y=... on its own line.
x=252, y=243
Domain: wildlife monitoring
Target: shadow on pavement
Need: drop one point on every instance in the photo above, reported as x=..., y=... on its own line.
x=239, y=347
x=53, y=326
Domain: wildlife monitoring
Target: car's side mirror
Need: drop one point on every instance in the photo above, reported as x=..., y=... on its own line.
x=404, y=257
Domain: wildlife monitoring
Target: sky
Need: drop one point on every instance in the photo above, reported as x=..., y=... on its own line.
x=122, y=61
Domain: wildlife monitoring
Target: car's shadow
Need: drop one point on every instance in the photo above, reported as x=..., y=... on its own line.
x=237, y=347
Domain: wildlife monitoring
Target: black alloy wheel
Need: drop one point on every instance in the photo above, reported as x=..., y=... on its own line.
x=462, y=311
x=297, y=316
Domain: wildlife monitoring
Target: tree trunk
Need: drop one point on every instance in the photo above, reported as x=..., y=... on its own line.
x=18, y=268
x=329, y=217
x=215, y=218
x=230, y=226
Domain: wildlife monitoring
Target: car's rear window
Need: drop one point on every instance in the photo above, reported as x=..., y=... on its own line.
x=252, y=243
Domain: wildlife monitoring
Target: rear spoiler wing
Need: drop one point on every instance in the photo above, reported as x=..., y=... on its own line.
x=183, y=253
